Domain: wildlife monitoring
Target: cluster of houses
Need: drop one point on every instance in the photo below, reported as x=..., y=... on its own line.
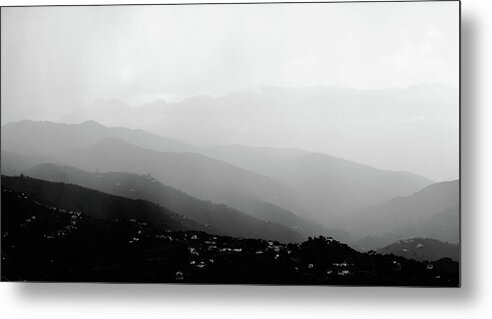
x=204, y=249
x=340, y=269
x=136, y=237
x=72, y=224
x=64, y=231
x=189, y=256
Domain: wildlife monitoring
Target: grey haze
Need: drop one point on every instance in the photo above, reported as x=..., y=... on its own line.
x=372, y=83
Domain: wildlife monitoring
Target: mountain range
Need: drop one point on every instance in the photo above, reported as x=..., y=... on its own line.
x=313, y=186
x=255, y=191
x=329, y=186
x=432, y=212
x=252, y=116
x=222, y=218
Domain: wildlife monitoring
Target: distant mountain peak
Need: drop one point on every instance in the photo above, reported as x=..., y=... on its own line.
x=92, y=123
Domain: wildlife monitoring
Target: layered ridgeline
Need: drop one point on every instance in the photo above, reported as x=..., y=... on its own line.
x=107, y=206
x=432, y=212
x=331, y=120
x=270, y=115
x=224, y=219
x=44, y=138
x=330, y=186
x=262, y=182
x=422, y=249
x=198, y=175
x=97, y=204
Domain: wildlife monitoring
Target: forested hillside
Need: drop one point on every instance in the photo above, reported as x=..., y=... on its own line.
x=42, y=243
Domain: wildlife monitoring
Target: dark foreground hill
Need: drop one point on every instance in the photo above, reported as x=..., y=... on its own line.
x=225, y=220
x=97, y=204
x=422, y=249
x=42, y=243
x=196, y=214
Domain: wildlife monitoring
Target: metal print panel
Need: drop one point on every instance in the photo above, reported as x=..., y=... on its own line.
x=286, y=144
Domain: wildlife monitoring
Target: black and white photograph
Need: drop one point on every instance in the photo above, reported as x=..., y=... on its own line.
x=238, y=144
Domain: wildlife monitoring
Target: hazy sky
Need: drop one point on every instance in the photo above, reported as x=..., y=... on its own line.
x=58, y=59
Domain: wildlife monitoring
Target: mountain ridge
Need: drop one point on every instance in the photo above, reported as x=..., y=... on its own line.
x=224, y=219
x=313, y=186
x=96, y=203
x=432, y=212
x=422, y=249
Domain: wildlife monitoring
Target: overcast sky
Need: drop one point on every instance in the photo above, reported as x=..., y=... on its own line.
x=55, y=59
x=58, y=59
